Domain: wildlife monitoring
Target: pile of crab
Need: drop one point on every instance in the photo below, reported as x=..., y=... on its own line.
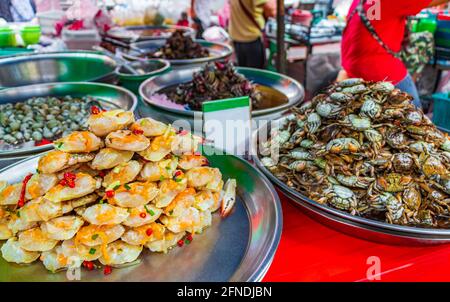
x=105, y=194
x=362, y=147
x=180, y=47
x=215, y=81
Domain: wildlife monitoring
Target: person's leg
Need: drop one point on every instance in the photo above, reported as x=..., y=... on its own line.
x=239, y=50
x=407, y=85
x=255, y=54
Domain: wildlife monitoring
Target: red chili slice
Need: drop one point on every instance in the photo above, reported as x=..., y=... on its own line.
x=21, y=201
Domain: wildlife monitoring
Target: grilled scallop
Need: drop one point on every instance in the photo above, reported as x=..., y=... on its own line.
x=135, y=194
x=93, y=235
x=122, y=174
x=108, y=121
x=102, y=214
x=156, y=171
x=62, y=228
x=158, y=149
x=138, y=235
x=39, y=184
x=169, y=189
x=127, y=141
x=79, y=142
x=84, y=185
x=12, y=252
x=205, y=178
x=10, y=194
x=88, y=253
x=150, y=127
x=188, y=162
x=120, y=252
x=35, y=240
x=142, y=215
x=55, y=161
x=163, y=244
x=108, y=158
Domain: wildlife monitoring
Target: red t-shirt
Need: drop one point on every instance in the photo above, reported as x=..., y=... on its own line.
x=362, y=56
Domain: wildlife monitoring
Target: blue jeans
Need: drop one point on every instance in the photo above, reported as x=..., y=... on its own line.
x=407, y=85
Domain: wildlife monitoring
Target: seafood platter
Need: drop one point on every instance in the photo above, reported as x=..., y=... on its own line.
x=137, y=200
x=180, y=50
x=363, y=159
x=33, y=116
x=180, y=94
x=144, y=33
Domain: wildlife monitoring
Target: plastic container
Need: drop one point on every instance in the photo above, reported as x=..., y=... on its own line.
x=31, y=34
x=441, y=110
x=83, y=39
x=47, y=21
x=426, y=24
x=7, y=37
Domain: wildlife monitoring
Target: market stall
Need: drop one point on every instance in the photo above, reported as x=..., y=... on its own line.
x=135, y=145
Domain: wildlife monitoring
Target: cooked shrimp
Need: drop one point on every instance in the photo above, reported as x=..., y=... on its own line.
x=62, y=228
x=108, y=158
x=17, y=224
x=48, y=209
x=79, y=142
x=206, y=200
x=127, y=141
x=120, y=252
x=12, y=252
x=101, y=214
x=150, y=127
x=52, y=261
x=108, y=121
x=169, y=189
x=39, y=184
x=35, y=240
x=156, y=171
x=84, y=185
x=93, y=235
x=142, y=215
x=10, y=194
x=164, y=244
x=184, y=144
x=55, y=161
x=188, y=162
x=205, y=177
x=181, y=202
x=138, y=235
x=158, y=149
x=29, y=212
x=123, y=173
x=135, y=194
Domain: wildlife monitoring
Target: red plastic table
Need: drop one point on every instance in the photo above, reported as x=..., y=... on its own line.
x=310, y=251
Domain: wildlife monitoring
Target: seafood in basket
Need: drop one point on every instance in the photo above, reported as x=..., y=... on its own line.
x=214, y=82
x=180, y=47
x=107, y=193
x=362, y=147
x=41, y=120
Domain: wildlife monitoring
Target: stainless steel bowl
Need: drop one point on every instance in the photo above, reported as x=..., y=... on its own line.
x=147, y=32
x=56, y=67
x=112, y=97
x=238, y=248
x=218, y=52
x=360, y=227
x=284, y=84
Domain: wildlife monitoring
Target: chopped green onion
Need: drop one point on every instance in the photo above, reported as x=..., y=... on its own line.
x=116, y=187
x=149, y=211
x=18, y=214
x=95, y=236
x=92, y=251
x=127, y=186
x=171, y=212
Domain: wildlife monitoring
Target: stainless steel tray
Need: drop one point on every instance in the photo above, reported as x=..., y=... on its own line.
x=85, y=66
x=147, y=32
x=218, y=52
x=284, y=84
x=353, y=225
x=238, y=248
x=112, y=97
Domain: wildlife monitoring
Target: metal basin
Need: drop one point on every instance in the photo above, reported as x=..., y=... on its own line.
x=360, y=227
x=218, y=52
x=112, y=97
x=145, y=32
x=284, y=84
x=238, y=248
x=56, y=67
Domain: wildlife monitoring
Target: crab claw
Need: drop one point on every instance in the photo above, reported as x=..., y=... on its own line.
x=229, y=198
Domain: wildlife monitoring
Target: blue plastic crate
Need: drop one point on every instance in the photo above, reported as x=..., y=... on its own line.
x=441, y=110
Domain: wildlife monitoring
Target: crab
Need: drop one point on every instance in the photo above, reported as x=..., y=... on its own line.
x=393, y=182
x=313, y=122
x=355, y=181
x=342, y=145
x=370, y=109
x=341, y=197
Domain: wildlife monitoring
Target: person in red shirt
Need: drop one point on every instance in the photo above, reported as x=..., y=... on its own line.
x=364, y=57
